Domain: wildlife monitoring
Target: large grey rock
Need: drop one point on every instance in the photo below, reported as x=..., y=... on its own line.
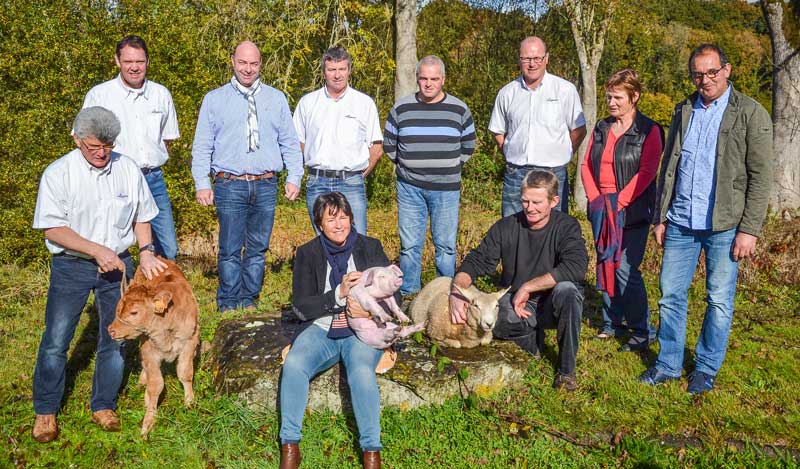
x=247, y=363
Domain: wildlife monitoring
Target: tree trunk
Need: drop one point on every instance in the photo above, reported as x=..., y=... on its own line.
x=785, y=112
x=589, y=34
x=405, y=47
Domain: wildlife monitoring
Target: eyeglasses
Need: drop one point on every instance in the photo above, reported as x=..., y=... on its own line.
x=106, y=147
x=712, y=73
x=536, y=60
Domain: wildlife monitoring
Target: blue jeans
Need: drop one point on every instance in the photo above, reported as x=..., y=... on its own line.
x=163, y=225
x=314, y=352
x=681, y=251
x=352, y=188
x=512, y=184
x=630, y=296
x=413, y=207
x=71, y=281
x=246, y=210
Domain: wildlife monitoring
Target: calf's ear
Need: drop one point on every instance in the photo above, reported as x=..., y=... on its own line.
x=161, y=302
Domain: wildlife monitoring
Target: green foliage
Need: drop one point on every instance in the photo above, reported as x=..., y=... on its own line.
x=52, y=53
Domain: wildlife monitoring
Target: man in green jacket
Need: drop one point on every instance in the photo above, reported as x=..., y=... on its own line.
x=713, y=192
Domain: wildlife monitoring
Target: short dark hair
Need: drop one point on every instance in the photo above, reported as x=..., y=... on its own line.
x=132, y=41
x=541, y=179
x=331, y=202
x=337, y=54
x=705, y=48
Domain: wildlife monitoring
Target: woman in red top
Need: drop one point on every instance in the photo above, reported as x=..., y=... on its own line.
x=619, y=173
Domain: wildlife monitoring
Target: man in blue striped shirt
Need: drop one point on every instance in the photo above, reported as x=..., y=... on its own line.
x=244, y=138
x=429, y=136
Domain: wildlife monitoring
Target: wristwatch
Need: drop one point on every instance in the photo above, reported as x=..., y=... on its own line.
x=148, y=247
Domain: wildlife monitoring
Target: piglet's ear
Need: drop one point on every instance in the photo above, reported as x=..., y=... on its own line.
x=368, y=278
x=161, y=302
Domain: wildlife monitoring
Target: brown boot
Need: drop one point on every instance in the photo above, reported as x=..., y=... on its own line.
x=107, y=419
x=372, y=460
x=290, y=456
x=45, y=428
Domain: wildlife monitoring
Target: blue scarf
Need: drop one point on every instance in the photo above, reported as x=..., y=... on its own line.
x=337, y=257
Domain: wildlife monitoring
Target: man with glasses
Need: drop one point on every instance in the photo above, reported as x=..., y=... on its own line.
x=713, y=192
x=538, y=123
x=340, y=136
x=147, y=115
x=244, y=138
x=93, y=204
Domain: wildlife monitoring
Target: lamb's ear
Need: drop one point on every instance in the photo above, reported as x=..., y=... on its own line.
x=500, y=294
x=161, y=302
x=466, y=293
x=368, y=278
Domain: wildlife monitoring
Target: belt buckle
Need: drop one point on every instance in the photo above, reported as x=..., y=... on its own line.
x=250, y=177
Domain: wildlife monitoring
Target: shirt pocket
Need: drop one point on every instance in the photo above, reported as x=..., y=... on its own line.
x=153, y=123
x=120, y=211
x=549, y=114
x=350, y=130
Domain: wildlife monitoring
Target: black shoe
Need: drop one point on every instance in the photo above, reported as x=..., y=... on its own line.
x=566, y=382
x=635, y=345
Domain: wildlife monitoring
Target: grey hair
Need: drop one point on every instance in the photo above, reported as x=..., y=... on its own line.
x=336, y=54
x=97, y=122
x=431, y=60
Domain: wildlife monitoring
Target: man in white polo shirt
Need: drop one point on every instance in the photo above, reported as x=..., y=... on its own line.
x=147, y=115
x=538, y=123
x=340, y=135
x=93, y=204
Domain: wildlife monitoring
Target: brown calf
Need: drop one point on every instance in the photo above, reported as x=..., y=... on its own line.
x=163, y=311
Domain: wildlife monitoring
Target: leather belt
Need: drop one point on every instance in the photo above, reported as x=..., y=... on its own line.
x=333, y=173
x=245, y=177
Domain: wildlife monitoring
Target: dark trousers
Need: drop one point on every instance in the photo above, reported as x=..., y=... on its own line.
x=561, y=309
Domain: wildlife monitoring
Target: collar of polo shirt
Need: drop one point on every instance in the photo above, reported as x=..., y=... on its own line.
x=136, y=92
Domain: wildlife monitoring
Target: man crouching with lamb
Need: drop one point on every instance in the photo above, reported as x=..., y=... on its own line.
x=543, y=257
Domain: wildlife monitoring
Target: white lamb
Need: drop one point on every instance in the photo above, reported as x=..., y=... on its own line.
x=432, y=305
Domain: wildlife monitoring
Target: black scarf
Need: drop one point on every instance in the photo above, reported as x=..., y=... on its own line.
x=337, y=257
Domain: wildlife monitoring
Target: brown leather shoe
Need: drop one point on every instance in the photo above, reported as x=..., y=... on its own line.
x=372, y=460
x=107, y=419
x=566, y=382
x=290, y=456
x=45, y=428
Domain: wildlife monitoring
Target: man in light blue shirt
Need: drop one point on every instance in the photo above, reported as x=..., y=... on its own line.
x=713, y=192
x=244, y=138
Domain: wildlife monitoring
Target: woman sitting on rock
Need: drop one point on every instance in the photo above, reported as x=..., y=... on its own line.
x=325, y=269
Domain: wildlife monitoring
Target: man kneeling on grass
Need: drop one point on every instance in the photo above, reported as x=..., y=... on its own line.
x=544, y=259
x=92, y=205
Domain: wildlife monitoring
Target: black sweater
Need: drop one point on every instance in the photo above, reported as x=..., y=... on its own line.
x=558, y=249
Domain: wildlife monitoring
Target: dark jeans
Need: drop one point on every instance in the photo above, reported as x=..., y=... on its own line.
x=245, y=210
x=561, y=309
x=630, y=296
x=163, y=225
x=71, y=281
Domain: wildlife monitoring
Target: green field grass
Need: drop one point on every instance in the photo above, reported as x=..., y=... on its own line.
x=751, y=419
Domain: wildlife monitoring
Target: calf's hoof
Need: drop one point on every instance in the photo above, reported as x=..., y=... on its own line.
x=45, y=428
x=107, y=419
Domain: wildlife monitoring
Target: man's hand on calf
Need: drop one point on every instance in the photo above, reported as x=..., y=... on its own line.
x=150, y=264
